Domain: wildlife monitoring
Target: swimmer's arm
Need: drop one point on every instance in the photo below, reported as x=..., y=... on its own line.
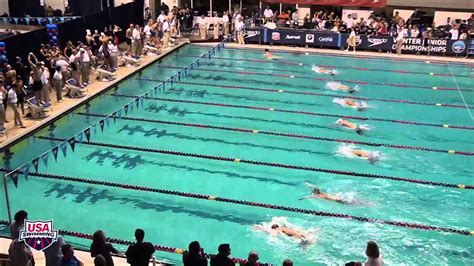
x=308, y=197
x=309, y=185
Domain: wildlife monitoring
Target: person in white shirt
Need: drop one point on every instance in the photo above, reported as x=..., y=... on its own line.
x=350, y=22
x=240, y=27
x=136, y=38
x=268, y=14
x=58, y=83
x=161, y=18
x=454, y=33
x=463, y=35
x=174, y=26
x=166, y=33
x=46, y=86
x=225, y=23
x=12, y=103
x=414, y=32
x=3, y=94
x=202, y=27
x=217, y=24
x=399, y=41
x=85, y=58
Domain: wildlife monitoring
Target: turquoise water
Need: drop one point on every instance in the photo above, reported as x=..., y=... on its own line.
x=176, y=221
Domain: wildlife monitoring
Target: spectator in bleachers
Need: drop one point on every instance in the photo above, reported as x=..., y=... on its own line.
x=287, y=262
x=20, y=254
x=68, y=257
x=18, y=225
x=268, y=14
x=140, y=253
x=53, y=253
x=454, y=32
x=195, y=256
x=222, y=258
x=100, y=246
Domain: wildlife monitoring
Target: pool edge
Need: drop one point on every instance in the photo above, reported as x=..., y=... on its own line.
x=89, y=97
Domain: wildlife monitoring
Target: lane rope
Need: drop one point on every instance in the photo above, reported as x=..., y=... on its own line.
x=406, y=122
x=257, y=204
x=410, y=60
x=281, y=134
x=401, y=101
x=269, y=164
x=335, y=67
x=129, y=243
x=325, y=65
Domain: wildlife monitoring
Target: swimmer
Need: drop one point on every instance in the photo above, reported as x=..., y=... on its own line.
x=351, y=151
x=322, y=70
x=306, y=238
x=268, y=55
x=350, y=103
x=316, y=193
x=337, y=86
x=359, y=129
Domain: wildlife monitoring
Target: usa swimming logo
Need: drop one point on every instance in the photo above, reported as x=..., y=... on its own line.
x=458, y=47
x=38, y=235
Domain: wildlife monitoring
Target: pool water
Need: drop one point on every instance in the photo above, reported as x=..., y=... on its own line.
x=223, y=83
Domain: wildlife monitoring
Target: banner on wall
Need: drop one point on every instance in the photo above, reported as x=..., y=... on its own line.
x=312, y=38
x=364, y=3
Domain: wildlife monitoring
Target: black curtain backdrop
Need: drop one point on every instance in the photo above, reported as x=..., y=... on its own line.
x=75, y=30
x=18, y=8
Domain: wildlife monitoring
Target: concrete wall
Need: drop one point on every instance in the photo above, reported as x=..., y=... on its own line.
x=4, y=7
x=55, y=4
x=456, y=4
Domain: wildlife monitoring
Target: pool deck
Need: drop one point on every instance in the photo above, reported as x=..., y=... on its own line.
x=83, y=256
x=57, y=109
x=356, y=54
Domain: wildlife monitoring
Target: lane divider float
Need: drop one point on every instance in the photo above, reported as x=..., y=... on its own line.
x=406, y=122
x=281, y=134
x=256, y=204
x=269, y=164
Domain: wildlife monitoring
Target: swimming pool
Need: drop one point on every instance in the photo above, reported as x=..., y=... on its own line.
x=241, y=127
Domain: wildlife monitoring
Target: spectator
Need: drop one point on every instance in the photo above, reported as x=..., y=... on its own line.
x=68, y=257
x=21, y=69
x=85, y=59
x=4, y=99
x=99, y=261
x=463, y=35
x=12, y=103
x=166, y=33
x=53, y=253
x=225, y=21
x=195, y=256
x=140, y=253
x=136, y=38
x=18, y=225
x=202, y=27
x=58, y=84
x=373, y=255
x=20, y=93
x=9, y=75
x=2, y=126
x=46, y=85
x=37, y=70
x=129, y=37
x=268, y=14
x=350, y=22
x=454, y=33
x=287, y=262
x=252, y=259
x=222, y=258
x=20, y=254
x=414, y=32
x=100, y=246
x=399, y=42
